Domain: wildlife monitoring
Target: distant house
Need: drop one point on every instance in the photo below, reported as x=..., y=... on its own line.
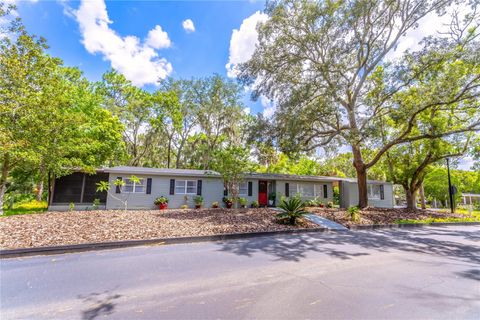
x=180, y=186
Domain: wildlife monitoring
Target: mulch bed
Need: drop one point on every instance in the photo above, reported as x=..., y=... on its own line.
x=75, y=227
x=376, y=216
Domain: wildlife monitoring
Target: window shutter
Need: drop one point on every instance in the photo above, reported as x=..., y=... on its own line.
x=117, y=189
x=149, y=185
x=225, y=190
x=172, y=186
x=199, y=187
x=250, y=188
x=287, y=189
x=325, y=191
x=382, y=193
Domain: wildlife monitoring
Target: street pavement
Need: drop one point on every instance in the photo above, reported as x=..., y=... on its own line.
x=419, y=273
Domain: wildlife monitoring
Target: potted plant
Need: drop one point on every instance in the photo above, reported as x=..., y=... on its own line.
x=271, y=198
x=198, y=202
x=242, y=202
x=254, y=204
x=228, y=202
x=215, y=204
x=161, y=202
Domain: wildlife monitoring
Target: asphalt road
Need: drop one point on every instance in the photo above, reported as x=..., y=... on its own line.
x=432, y=272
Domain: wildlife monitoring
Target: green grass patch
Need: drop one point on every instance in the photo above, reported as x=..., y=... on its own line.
x=26, y=208
x=439, y=220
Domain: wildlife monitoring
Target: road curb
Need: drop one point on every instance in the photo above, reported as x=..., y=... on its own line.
x=23, y=252
x=411, y=225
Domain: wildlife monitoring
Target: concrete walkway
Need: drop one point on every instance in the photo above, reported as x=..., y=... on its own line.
x=421, y=273
x=323, y=222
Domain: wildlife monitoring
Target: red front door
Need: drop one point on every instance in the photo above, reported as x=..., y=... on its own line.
x=262, y=193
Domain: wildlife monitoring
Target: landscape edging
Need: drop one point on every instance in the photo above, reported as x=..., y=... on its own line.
x=22, y=252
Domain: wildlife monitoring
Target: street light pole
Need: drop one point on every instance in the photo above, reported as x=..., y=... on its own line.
x=450, y=191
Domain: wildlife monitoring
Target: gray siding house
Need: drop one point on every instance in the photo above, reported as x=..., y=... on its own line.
x=180, y=186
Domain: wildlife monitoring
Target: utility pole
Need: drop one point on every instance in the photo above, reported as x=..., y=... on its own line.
x=450, y=191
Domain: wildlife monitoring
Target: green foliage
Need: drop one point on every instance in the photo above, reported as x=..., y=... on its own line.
x=243, y=202
x=96, y=204
x=255, y=204
x=232, y=163
x=198, y=200
x=184, y=206
x=71, y=206
x=291, y=210
x=353, y=213
x=215, y=204
x=27, y=206
x=160, y=200
x=341, y=90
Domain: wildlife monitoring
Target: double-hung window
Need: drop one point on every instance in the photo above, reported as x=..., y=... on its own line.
x=243, y=189
x=133, y=186
x=185, y=186
x=373, y=191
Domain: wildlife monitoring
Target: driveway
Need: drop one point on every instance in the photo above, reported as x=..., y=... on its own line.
x=431, y=272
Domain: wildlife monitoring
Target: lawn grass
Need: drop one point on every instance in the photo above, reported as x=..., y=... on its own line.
x=475, y=217
x=26, y=208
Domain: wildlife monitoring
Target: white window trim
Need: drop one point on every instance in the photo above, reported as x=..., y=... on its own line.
x=142, y=180
x=317, y=190
x=370, y=194
x=246, y=189
x=185, y=187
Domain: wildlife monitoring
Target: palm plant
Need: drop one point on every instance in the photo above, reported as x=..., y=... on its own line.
x=291, y=209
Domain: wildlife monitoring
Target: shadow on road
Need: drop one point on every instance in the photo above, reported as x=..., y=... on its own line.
x=355, y=243
x=99, y=304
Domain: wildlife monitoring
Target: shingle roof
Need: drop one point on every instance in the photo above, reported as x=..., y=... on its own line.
x=161, y=171
x=207, y=173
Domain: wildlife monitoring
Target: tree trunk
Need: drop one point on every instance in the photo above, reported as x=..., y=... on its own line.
x=169, y=152
x=361, y=177
x=411, y=199
x=40, y=184
x=3, y=179
x=422, y=197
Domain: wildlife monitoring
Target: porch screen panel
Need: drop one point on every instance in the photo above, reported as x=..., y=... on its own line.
x=90, y=193
x=68, y=188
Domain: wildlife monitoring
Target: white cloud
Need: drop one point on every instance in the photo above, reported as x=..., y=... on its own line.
x=269, y=107
x=243, y=41
x=158, y=39
x=139, y=62
x=246, y=110
x=188, y=25
x=430, y=25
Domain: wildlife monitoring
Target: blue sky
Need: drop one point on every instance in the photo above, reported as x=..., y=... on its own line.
x=146, y=40
x=201, y=52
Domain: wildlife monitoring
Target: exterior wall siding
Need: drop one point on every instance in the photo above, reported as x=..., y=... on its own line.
x=350, y=195
x=281, y=190
x=212, y=190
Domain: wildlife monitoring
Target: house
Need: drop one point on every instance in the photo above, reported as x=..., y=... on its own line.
x=180, y=186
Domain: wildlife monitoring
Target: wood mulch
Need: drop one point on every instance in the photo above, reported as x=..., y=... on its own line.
x=62, y=228
x=376, y=216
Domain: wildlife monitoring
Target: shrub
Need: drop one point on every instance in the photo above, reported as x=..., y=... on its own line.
x=96, y=204
x=160, y=200
x=184, y=206
x=330, y=204
x=291, y=210
x=353, y=213
x=242, y=202
x=215, y=204
x=255, y=204
x=198, y=200
x=71, y=206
